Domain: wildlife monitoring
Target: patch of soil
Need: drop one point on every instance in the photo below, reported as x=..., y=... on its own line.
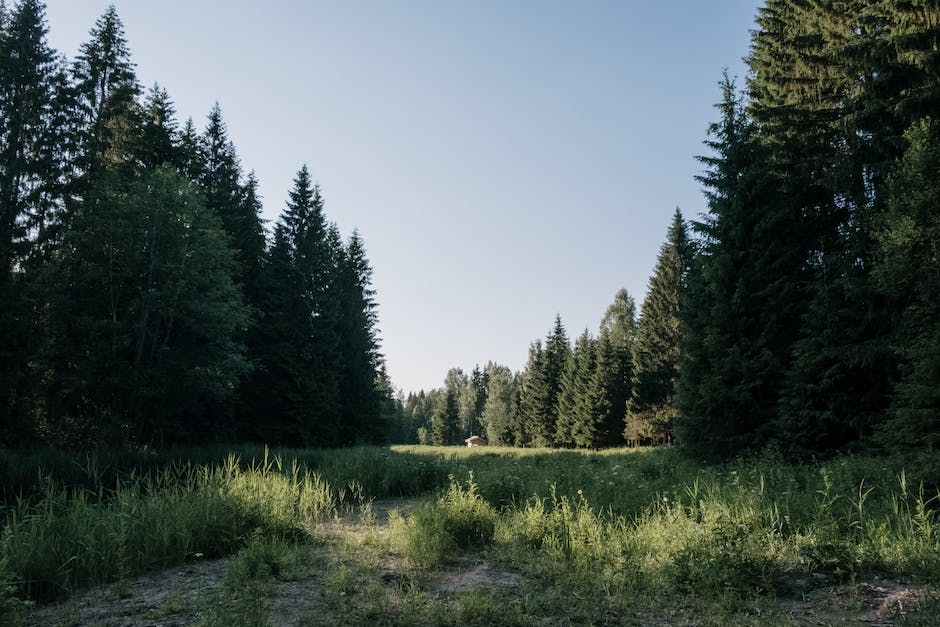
x=469, y=575
x=885, y=599
x=289, y=601
x=168, y=599
x=877, y=603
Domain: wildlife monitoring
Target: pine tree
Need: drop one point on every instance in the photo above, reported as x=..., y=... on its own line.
x=557, y=354
x=535, y=401
x=445, y=422
x=909, y=271
x=500, y=412
x=651, y=409
x=237, y=205
x=359, y=348
x=297, y=383
x=106, y=98
x=742, y=310
x=804, y=90
x=160, y=132
x=395, y=425
x=32, y=82
x=576, y=403
x=470, y=400
x=613, y=376
x=30, y=150
x=190, y=153
x=895, y=54
x=103, y=65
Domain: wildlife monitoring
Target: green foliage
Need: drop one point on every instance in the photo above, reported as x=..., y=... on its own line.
x=576, y=399
x=34, y=128
x=611, y=384
x=742, y=306
x=541, y=385
x=651, y=408
x=315, y=344
x=630, y=522
x=535, y=401
x=445, y=423
x=359, y=348
x=139, y=359
x=910, y=272
x=458, y=520
x=132, y=264
x=71, y=539
x=500, y=414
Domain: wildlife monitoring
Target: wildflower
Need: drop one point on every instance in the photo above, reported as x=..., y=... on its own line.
x=580, y=493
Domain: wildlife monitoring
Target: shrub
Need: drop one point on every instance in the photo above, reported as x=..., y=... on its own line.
x=457, y=520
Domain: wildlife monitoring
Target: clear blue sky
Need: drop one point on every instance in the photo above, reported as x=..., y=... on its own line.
x=503, y=160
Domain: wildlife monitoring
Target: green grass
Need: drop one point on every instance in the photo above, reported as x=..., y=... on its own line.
x=63, y=539
x=596, y=535
x=458, y=520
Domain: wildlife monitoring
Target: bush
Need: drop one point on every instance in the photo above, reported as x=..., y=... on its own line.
x=458, y=520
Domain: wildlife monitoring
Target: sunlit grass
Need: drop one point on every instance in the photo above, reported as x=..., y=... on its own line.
x=625, y=522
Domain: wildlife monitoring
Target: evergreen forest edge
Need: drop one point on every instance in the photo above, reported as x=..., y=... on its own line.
x=142, y=303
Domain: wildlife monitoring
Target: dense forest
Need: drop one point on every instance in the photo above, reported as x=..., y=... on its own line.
x=141, y=301
x=801, y=312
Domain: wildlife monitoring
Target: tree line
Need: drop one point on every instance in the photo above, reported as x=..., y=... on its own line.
x=801, y=312
x=605, y=389
x=140, y=298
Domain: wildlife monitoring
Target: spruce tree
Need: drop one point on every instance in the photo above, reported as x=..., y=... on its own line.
x=613, y=376
x=651, y=409
x=576, y=406
x=103, y=65
x=742, y=310
x=32, y=122
x=238, y=207
x=500, y=412
x=30, y=134
x=359, y=348
x=299, y=359
x=557, y=354
x=535, y=401
x=106, y=99
x=445, y=422
x=190, y=153
x=804, y=90
x=909, y=272
x=160, y=132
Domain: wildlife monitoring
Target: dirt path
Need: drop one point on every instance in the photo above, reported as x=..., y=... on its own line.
x=170, y=598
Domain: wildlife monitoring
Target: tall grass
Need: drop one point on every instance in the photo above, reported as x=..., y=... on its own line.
x=458, y=520
x=626, y=520
x=720, y=538
x=64, y=538
x=651, y=521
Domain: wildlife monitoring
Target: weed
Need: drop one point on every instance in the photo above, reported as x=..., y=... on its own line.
x=612, y=526
x=458, y=520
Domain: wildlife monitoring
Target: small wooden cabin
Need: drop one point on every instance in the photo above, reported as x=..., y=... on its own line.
x=475, y=440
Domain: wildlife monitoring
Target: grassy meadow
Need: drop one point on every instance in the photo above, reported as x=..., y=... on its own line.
x=394, y=535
